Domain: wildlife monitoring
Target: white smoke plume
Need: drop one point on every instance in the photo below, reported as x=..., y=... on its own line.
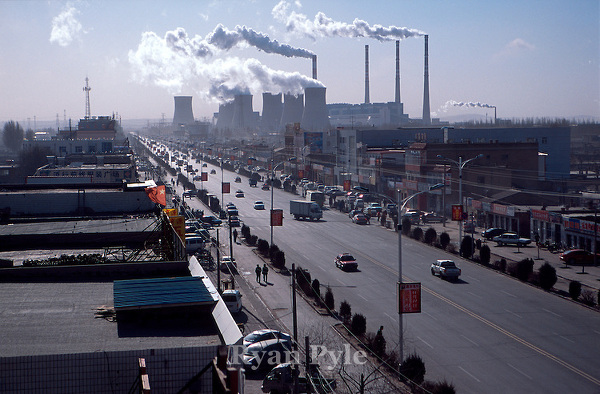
x=175, y=60
x=470, y=104
x=323, y=26
x=65, y=27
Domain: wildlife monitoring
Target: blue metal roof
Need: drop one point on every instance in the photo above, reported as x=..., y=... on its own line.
x=160, y=292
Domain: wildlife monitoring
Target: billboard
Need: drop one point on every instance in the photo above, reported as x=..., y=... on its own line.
x=457, y=212
x=409, y=297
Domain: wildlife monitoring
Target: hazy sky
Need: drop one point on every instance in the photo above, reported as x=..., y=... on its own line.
x=527, y=58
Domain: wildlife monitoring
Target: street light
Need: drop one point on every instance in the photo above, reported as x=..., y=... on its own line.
x=401, y=205
x=460, y=164
x=273, y=168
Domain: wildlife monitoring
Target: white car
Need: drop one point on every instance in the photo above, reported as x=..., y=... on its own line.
x=228, y=264
x=266, y=334
x=259, y=205
x=233, y=300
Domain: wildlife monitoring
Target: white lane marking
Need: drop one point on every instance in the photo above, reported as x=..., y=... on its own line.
x=471, y=278
x=322, y=268
x=473, y=294
x=563, y=337
x=597, y=332
x=519, y=371
x=360, y=295
x=391, y=317
x=555, y=314
x=430, y=315
x=513, y=313
x=421, y=339
x=343, y=284
x=508, y=294
x=462, y=369
x=470, y=340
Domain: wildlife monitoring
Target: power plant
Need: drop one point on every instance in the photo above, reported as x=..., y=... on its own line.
x=315, y=116
x=272, y=111
x=367, y=99
x=293, y=107
x=183, y=111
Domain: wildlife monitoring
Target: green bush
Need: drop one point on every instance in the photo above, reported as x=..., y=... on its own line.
x=417, y=233
x=547, y=276
x=245, y=231
x=252, y=240
x=444, y=240
x=345, y=311
x=279, y=260
x=466, y=247
x=524, y=269
x=329, y=300
x=263, y=247
x=406, y=226
x=439, y=387
x=485, y=255
x=303, y=279
x=587, y=297
x=273, y=249
x=359, y=325
x=316, y=289
x=430, y=236
x=379, y=343
x=413, y=369
x=574, y=289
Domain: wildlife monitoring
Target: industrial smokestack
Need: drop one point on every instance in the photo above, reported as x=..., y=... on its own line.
x=183, y=110
x=315, y=116
x=426, y=112
x=397, y=99
x=314, y=66
x=367, y=100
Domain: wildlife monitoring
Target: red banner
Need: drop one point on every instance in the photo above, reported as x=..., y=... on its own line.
x=409, y=297
x=347, y=185
x=226, y=187
x=457, y=212
x=204, y=176
x=276, y=217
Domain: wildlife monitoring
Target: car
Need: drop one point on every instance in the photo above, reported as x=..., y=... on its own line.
x=188, y=194
x=266, y=334
x=490, y=233
x=578, y=256
x=346, y=262
x=354, y=212
x=204, y=165
x=197, y=178
x=469, y=227
x=412, y=216
x=238, y=179
x=265, y=186
x=374, y=208
x=239, y=194
x=432, y=217
x=257, y=355
x=228, y=264
x=230, y=204
x=259, y=205
x=233, y=300
x=360, y=218
x=511, y=239
x=194, y=243
x=212, y=220
x=445, y=269
x=232, y=211
x=234, y=221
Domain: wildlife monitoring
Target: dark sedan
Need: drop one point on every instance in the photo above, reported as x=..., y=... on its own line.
x=360, y=218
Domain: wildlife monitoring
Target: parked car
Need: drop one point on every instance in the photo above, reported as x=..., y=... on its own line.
x=188, y=194
x=412, y=216
x=213, y=220
x=204, y=165
x=266, y=334
x=432, y=217
x=360, y=218
x=578, y=256
x=346, y=262
x=238, y=179
x=257, y=355
x=194, y=243
x=228, y=264
x=259, y=205
x=469, y=227
x=232, y=211
x=490, y=233
x=239, y=194
x=445, y=269
x=511, y=239
x=374, y=208
x=233, y=300
x=234, y=221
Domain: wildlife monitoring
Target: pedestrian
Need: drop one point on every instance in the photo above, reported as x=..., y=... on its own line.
x=235, y=235
x=265, y=272
x=258, y=271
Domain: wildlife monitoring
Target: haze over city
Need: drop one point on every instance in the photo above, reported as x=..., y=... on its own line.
x=527, y=58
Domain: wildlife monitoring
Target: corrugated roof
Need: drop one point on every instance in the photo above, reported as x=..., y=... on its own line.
x=160, y=292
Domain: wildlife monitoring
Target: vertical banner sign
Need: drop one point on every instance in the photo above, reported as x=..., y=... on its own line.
x=276, y=217
x=226, y=187
x=409, y=297
x=300, y=174
x=347, y=185
x=232, y=157
x=249, y=161
x=178, y=223
x=204, y=176
x=457, y=212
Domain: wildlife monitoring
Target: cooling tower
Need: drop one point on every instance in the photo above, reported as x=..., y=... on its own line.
x=293, y=107
x=225, y=115
x=243, y=118
x=367, y=99
x=426, y=112
x=397, y=98
x=272, y=110
x=315, y=116
x=183, y=110
x=314, y=66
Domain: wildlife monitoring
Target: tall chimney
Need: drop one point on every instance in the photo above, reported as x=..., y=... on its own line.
x=367, y=74
x=397, y=99
x=314, y=66
x=426, y=112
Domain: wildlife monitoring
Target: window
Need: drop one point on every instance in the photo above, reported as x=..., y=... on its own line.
x=79, y=149
x=544, y=140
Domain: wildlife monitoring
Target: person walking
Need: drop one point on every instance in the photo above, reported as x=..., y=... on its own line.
x=258, y=271
x=265, y=272
x=235, y=234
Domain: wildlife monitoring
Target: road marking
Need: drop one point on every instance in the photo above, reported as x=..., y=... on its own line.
x=430, y=315
x=462, y=369
x=363, y=297
x=473, y=279
x=422, y=340
x=597, y=332
x=391, y=317
x=563, y=337
x=473, y=294
x=322, y=268
x=513, y=313
x=519, y=371
x=555, y=314
x=343, y=284
x=508, y=294
x=470, y=340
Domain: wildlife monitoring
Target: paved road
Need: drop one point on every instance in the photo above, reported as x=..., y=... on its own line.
x=485, y=333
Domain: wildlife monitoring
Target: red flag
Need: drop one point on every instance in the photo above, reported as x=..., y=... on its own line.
x=157, y=194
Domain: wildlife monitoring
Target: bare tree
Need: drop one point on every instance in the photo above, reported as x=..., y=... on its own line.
x=12, y=135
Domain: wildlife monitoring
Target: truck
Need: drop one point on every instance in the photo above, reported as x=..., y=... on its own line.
x=445, y=269
x=316, y=196
x=305, y=210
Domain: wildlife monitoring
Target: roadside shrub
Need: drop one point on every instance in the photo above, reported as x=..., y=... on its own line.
x=524, y=269
x=345, y=311
x=245, y=231
x=379, y=344
x=405, y=226
x=500, y=265
x=263, y=247
x=413, y=369
x=444, y=240
x=252, y=240
x=439, y=387
x=417, y=233
x=303, y=279
x=359, y=325
x=574, y=289
x=547, y=276
x=451, y=248
x=316, y=289
x=485, y=255
x=587, y=297
x=430, y=236
x=478, y=244
x=466, y=247
x=329, y=300
x=279, y=260
x=273, y=249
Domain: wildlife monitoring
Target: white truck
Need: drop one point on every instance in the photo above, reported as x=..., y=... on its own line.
x=305, y=210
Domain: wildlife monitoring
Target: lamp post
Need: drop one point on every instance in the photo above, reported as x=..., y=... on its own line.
x=460, y=164
x=273, y=168
x=401, y=205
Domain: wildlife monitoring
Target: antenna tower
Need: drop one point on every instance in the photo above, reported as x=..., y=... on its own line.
x=87, y=89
